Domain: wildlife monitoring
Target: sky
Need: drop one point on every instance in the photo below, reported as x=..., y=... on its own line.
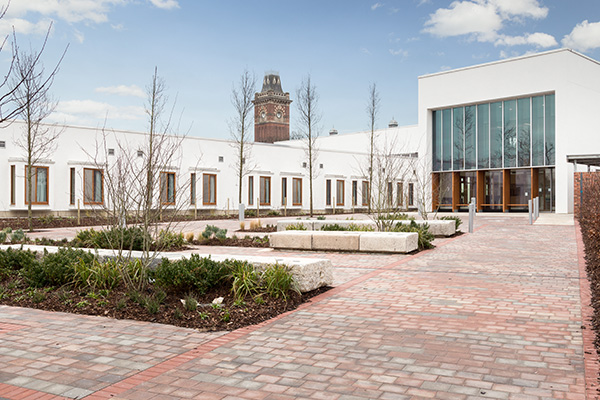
x=200, y=49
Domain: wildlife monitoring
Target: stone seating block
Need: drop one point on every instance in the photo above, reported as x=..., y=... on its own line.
x=437, y=227
x=389, y=242
x=318, y=224
x=335, y=240
x=291, y=240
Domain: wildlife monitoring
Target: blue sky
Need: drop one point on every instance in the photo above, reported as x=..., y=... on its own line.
x=202, y=47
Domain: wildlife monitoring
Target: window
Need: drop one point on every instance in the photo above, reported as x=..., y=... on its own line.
x=72, y=187
x=284, y=191
x=13, y=188
x=111, y=152
x=328, y=192
x=390, y=194
x=140, y=153
x=193, y=188
x=399, y=194
x=297, y=191
x=39, y=185
x=411, y=194
x=221, y=158
x=250, y=190
x=365, y=193
x=339, y=191
x=354, y=193
x=93, y=186
x=209, y=189
x=2, y=144
x=167, y=188
x=265, y=191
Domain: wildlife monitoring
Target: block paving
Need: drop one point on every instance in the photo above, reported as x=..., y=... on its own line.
x=502, y=313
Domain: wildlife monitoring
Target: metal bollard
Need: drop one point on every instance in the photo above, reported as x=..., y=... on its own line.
x=529, y=205
x=472, y=207
x=242, y=212
x=536, y=208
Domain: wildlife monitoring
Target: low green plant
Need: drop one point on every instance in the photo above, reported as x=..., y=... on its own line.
x=57, y=269
x=121, y=303
x=178, y=313
x=202, y=315
x=226, y=317
x=190, y=303
x=250, y=213
x=458, y=222
x=82, y=304
x=212, y=231
x=239, y=303
x=321, y=217
x=259, y=300
x=299, y=226
x=273, y=213
x=18, y=236
x=129, y=238
x=194, y=274
x=425, y=237
x=244, y=279
x=168, y=240
x=277, y=281
x=3, y=237
x=97, y=275
x=15, y=260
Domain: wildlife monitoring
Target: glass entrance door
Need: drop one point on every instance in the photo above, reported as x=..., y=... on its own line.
x=546, y=189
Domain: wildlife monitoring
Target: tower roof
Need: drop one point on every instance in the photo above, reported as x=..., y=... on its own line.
x=272, y=82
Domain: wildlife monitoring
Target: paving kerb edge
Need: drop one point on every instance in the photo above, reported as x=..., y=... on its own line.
x=175, y=361
x=590, y=355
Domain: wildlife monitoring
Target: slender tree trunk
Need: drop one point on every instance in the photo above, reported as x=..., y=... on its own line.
x=241, y=170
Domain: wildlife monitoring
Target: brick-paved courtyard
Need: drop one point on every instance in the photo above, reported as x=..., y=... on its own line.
x=496, y=314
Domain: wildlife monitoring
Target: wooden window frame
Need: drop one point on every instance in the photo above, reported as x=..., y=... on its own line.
x=354, y=193
x=193, y=188
x=399, y=194
x=337, y=192
x=34, y=178
x=164, y=188
x=207, y=178
x=296, y=197
x=13, y=185
x=411, y=194
x=261, y=200
x=328, y=192
x=250, y=190
x=94, y=186
x=284, y=195
x=72, y=186
x=365, y=193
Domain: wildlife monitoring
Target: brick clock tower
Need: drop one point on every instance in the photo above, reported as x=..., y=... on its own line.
x=271, y=111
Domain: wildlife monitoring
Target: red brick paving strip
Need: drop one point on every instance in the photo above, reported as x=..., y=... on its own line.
x=592, y=369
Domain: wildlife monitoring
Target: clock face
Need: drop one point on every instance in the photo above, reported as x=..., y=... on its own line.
x=279, y=114
x=263, y=115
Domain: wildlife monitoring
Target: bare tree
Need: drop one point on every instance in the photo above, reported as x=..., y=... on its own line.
x=30, y=94
x=240, y=124
x=372, y=113
x=309, y=119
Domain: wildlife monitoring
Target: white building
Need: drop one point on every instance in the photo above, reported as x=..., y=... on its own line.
x=500, y=132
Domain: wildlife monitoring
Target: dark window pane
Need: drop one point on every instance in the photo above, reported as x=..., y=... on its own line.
x=550, y=130
x=470, y=139
x=510, y=134
x=447, y=139
x=458, y=130
x=483, y=136
x=437, y=140
x=496, y=135
x=524, y=132
x=537, y=130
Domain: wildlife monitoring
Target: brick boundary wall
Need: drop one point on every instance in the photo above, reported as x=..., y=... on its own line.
x=581, y=181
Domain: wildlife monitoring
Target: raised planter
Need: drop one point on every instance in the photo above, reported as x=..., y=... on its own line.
x=436, y=227
x=388, y=242
x=308, y=273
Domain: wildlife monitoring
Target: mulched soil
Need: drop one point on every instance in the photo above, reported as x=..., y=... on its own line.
x=119, y=304
x=235, y=242
x=263, y=229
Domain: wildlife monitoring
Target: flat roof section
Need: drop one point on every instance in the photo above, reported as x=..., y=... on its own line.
x=585, y=159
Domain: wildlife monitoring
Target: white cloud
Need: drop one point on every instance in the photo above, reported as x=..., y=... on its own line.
x=364, y=50
x=463, y=18
x=123, y=90
x=165, y=4
x=89, y=111
x=22, y=26
x=584, y=36
x=376, y=6
x=537, y=39
x=72, y=11
x=520, y=8
x=483, y=20
x=399, y=52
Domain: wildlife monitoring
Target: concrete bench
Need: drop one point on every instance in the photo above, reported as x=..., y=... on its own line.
x=436, y=227
x=308, y=273
x=388, y=242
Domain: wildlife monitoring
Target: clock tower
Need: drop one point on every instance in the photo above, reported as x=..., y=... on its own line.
x=271, y=111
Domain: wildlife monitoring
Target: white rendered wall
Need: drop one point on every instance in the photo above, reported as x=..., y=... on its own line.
x=575, y=79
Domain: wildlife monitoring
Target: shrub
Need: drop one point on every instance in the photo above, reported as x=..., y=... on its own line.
x=249, y=213
x=18, y=236
x=129, y=238
x=192, y=274
x=425, y=237
x=57, y=269
x=255, y=224
x=189, y=302
x=333, y=227
x=190, y=237
x=168, y=240
x=277, y=281
x=349, y=227
x=456, y=220
x=3, y=237
x=242, y=226
x=321, y=217
x=296, y=227
x=273, y=213
x=212, y=231
x=17, y=259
